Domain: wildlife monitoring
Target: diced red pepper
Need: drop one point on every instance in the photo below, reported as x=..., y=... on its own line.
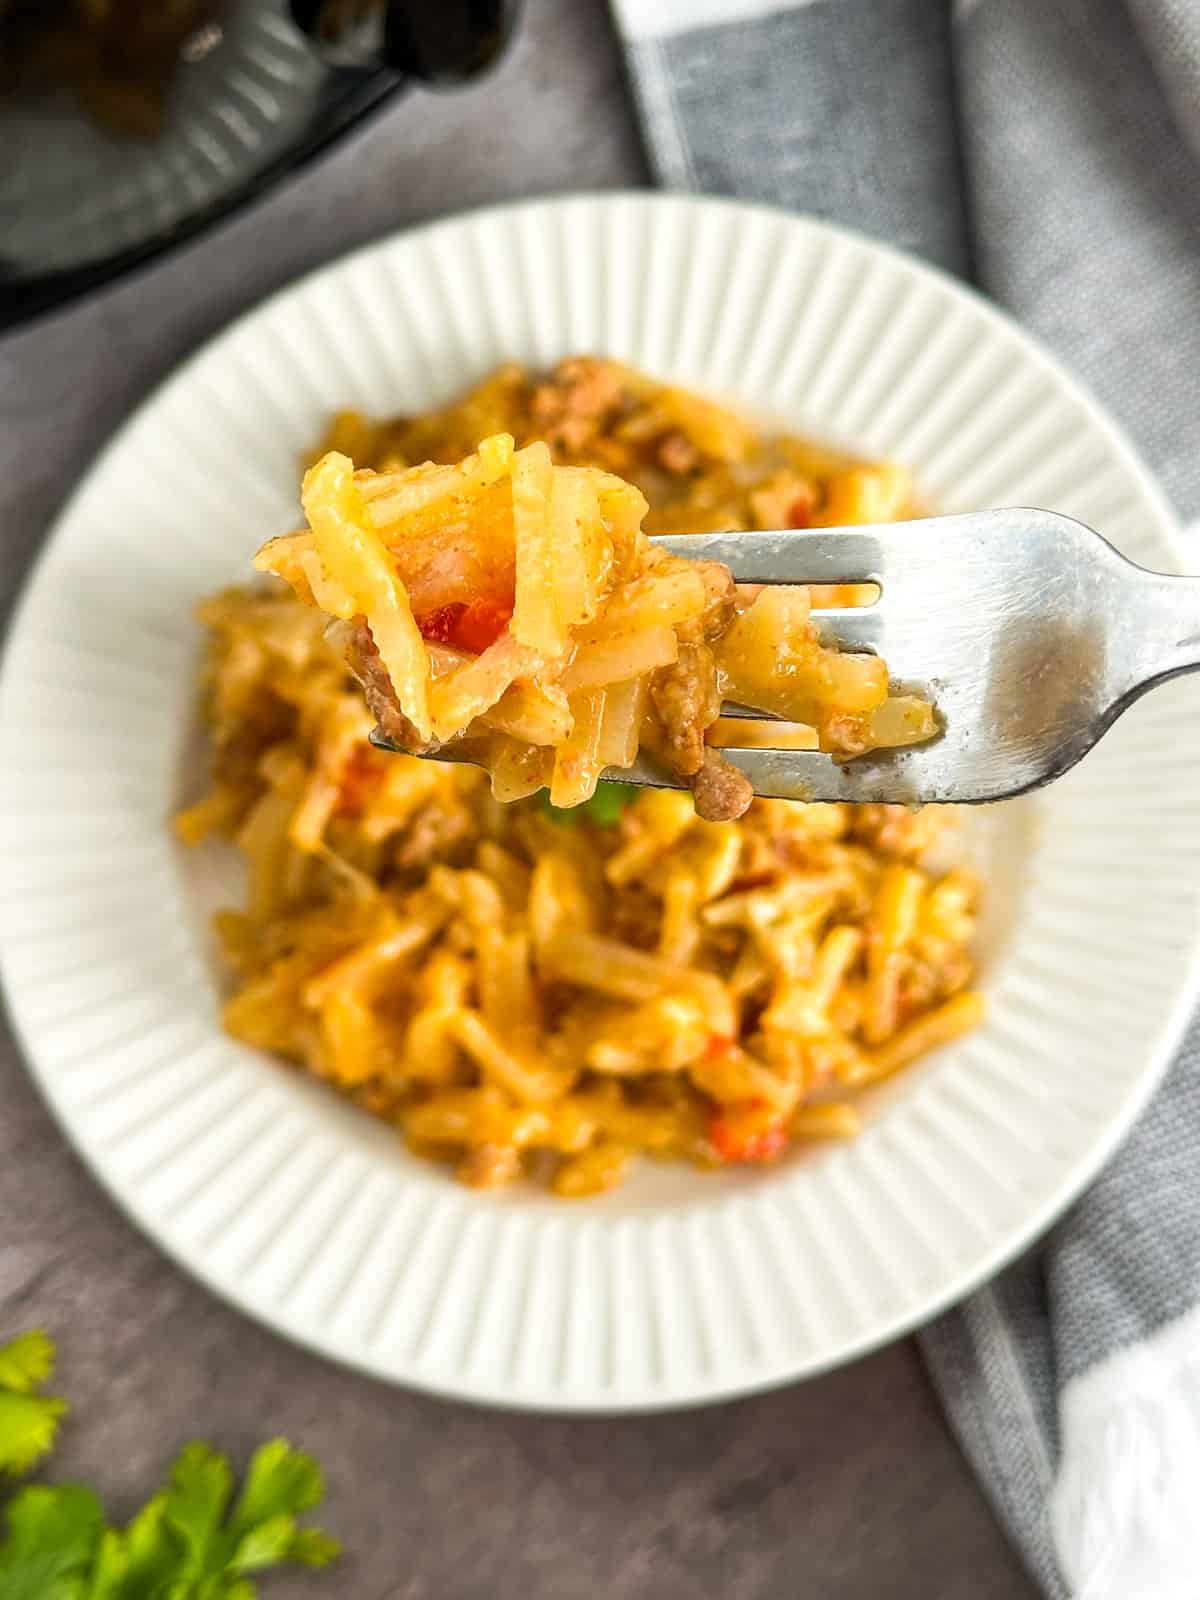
x=439, y=626
x=750, y=1132
x=466, y=627
x=481, y=624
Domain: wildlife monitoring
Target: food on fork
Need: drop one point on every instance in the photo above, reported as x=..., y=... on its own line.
x=516, y=605
x=520, y=991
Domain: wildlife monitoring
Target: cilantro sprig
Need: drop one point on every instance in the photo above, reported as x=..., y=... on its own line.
x=193, y=1541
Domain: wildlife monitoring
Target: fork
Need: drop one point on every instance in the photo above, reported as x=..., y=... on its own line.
x=1028, y=630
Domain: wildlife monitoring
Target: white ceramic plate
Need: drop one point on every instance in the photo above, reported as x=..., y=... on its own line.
x=682, y=1286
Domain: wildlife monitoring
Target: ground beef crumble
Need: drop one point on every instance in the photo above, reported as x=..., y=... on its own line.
x=720, y=791
x=687, y=701
x=364, y=661
x=583, y=395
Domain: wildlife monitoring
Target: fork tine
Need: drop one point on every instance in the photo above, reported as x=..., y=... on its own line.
x=731, y=708
x=779, y=774
x=806, y=775
x=800, y=555
x=799, y=775
x=792, y=555
x=459, y=751
x=854, y=628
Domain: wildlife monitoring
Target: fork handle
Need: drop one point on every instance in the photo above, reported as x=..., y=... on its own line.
x=1161, y=629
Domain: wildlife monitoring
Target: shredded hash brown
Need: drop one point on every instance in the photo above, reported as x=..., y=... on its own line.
x=525, y=991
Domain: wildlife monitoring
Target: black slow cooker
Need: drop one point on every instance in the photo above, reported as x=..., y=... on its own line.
x=127, y=126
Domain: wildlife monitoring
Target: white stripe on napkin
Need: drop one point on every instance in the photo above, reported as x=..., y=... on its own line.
x=659, y=19
x=660, y=113
x=1125, y=1510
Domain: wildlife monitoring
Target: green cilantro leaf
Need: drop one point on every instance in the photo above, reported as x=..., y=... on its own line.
x=195, y=1502
x=27, y=1362
x=261, y=1533
x=140, y=1563
x=28, y=1424
x=278, y=1540
x=603, y=809
x=280, y=1484
x=278, y=1479
x=608, y=802
x=312, y=1548
x=52, y=1539
x=112, y=1575
x=267, y=1544
x=28, y=1421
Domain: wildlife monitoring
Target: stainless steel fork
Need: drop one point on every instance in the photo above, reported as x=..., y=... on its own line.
x=1027, y=629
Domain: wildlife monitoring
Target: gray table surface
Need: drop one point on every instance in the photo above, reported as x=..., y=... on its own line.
x=846, y=1486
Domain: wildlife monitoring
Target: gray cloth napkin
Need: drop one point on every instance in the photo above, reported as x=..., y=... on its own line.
x=1049, y=149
